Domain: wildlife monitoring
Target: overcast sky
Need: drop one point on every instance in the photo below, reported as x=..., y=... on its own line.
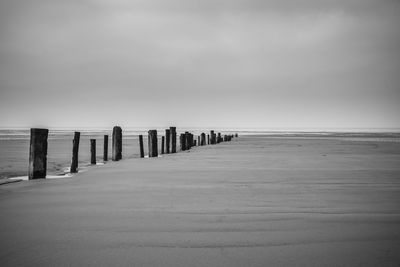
x=205, y=63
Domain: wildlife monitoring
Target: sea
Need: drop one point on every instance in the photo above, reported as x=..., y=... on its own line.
x=14, y=144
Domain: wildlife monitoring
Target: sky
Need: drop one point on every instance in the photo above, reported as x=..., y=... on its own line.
x=206, y=63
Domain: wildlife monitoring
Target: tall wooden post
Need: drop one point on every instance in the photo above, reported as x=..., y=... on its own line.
x=182, y=139
x=117, y=143
x=173, y=139
x=153, y=150
x=162, y=144
x=105, y=148
x=198, y=140
x=38, y=153
x=167, y=140
x=187, y=141
x=141, y=146
x=93, y=151
x=208, y=139
x=75, y=152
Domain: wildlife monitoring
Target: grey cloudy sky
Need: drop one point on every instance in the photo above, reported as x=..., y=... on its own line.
x=217, y=63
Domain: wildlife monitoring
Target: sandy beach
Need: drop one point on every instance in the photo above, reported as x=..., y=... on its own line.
x=255, y=201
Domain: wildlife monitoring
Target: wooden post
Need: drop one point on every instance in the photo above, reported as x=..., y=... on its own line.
x=198, y=140
x=162, y=144
x=173, y=139
x=167, y=140
x=236, y=135
x=182, y=139
x=105, y=149
x=203, y=139
x=208, y=139
x=187, y=141
x=212, y=136
x=219, y=139
x=153, y=150
x=141, y=146
x=75, y=150
x=194, y=142
x=117, y=143
x=93, y=151
x=38, y=153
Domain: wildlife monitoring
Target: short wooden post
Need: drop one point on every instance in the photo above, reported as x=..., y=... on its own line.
x=167, y=140
x=153, y=150
x=162, y=144
x=194, y=142
x=173, y=139
x=117, y=143
x=38, y=153
x=236, y=135
x=198, y=140
x=75, y=152
x=203, y=139
x=219, y=139
x=208, y=139
x=212, y=136
x=105, y=148
x=93, y=151
x=141, y=146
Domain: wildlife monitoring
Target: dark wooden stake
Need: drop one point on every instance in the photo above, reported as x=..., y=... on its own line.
x=198, y=140
x=75, y=150
x=105, y=149
x=117, y=143
x=212, y=137
x=208, y=139
x=173, y=139
x=93, y=151
x=167, y=140
x=203, y=139
x=182, y=139
x=38, y=153
x=162, y=144
x=141, y=146
x=153, y=150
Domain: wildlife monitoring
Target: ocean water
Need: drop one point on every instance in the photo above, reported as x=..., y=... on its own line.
x=14, y=144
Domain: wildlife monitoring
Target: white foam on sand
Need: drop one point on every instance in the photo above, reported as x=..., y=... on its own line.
x=25, y=178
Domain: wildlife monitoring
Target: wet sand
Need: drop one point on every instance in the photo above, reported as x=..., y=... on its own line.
x=256, y=201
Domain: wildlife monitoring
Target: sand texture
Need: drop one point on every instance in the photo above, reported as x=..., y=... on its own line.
x=255, y=201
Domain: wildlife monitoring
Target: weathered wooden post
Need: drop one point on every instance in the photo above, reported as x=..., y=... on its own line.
x=212, y=136
x=208, y=139
x=182, y=139
x=141, y=146
x=173, y=139
x=236, y=135
x=105, y=149
x=162, y=144
x=219, y=139
x=117, y=143
x=38, y=153
x=198, y=140
x=194, y=142
x=75, y=152
x=93, y=151
x=187, y=141
x=153, y=150
x=203, y=139
x=167, y=140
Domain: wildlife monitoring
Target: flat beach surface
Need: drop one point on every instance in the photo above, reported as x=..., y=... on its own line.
x=255, y=201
